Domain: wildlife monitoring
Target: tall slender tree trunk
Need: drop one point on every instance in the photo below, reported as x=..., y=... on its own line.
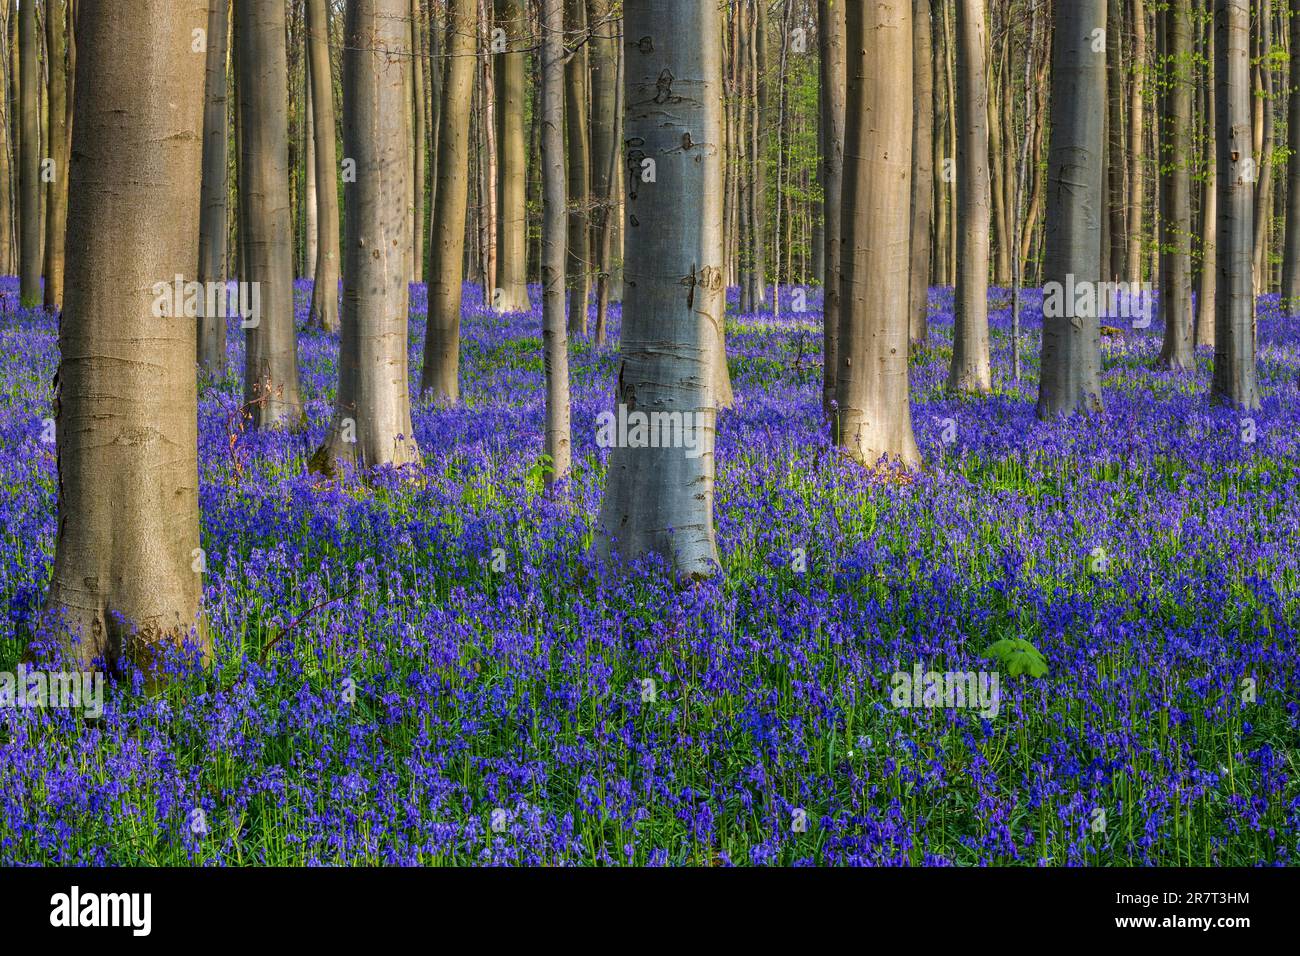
x=372, y=413
x=577, y=95
x=1291, y=240
x=1136, y=141
x=1115, y=140
x=1264, y=160
x=970, y=371
x=922, y=172
x=125, y=555
x=271, y=366
x=1205, y=299
x=555, y=346
x=419, y=139
x=604, y=147
x=1071, y=358
x=512, y=180
x=875, y=417
x=1235, y=382
x=215, y=187
x=832, y=118
x=441, y=373
x=7, y=165
x=1177, y=351
x=660, y=499
x=324, y=294
x=310, y=201
x=56, y=201
x=29, y=241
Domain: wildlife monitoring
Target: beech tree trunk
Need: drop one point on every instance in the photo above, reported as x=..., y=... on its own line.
x=1234, y=381
x=576, y=99
x=922, y=172
x=832, y=118
x=441, y=373
x=265, y=218
x=875, y=417
x=125, y=577
x=970, y=370
x=1291, y=240
x=605, y=148
x=372, y=413
x=555, y=345
x=512, y=180
x=56, y=200
x=1176, y=192
x=1206, y=297
x=213, y=223
x=1136, y=142
x=1071, y=356
x=324, y=293
x=660, y=499
x=29, y=158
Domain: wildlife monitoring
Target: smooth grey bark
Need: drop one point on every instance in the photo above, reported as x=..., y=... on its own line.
x=324, y=294
x=30, y=249
x=6, y=162
x=1206, y=297
x=660, y=499
x=419, y=140
x=56, y=198
x=1071, y=356
x=1264, y=161
x=126, y=402
x=271, y=359
x=604, y=148
x=372, y=413
x=1115, y=165
x=440, y=376
x=875, y=417
x=1177, y=350
x=1136, y=142
x=1291, y=240
x=831, y=109
x=555, y=346
x=922, y=172
x=512, y=172
x=577, y=95
x=1235, y=382
x=211, y=348
x=970, y=370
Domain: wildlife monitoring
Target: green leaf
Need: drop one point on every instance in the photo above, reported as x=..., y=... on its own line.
x=1019, y=657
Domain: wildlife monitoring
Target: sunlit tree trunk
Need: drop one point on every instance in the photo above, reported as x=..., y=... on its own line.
x=512, y=219
x=875, y=417
x=1205, y=299
x=970, y=371
x=372, y=413
x=831, y=108
x=1291, y=241
x=1136, y=141
x=555, y=346
x=126, y=561
x=576, y=114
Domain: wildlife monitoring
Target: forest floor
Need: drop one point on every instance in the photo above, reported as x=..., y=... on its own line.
x=428, y=667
